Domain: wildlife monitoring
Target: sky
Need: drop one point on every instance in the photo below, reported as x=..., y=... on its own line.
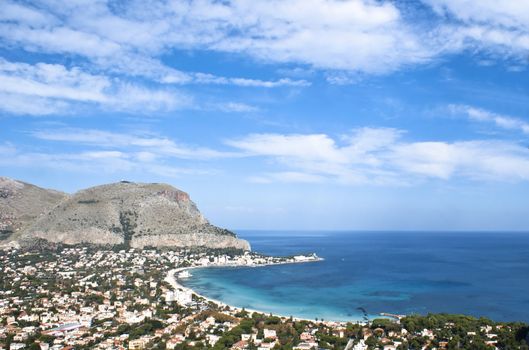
x=278, y=114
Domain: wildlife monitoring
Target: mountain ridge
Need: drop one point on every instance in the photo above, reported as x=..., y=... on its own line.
x=22, y=203
x=126, y=213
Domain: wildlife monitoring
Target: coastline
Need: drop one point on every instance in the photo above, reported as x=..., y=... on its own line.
x=171, y=279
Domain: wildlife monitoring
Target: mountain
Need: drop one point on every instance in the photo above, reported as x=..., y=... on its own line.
x=131, y=214
x=21, y=204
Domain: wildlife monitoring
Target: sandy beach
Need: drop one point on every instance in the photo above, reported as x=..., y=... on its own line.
x=172, y=279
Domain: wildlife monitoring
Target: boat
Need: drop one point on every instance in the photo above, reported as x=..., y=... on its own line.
x=184, y=274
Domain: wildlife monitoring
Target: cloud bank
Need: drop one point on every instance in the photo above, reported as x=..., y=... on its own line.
x=381, y=156
x=119, y=48
x=372, y=156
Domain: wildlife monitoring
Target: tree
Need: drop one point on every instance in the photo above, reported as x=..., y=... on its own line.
x=371, y=341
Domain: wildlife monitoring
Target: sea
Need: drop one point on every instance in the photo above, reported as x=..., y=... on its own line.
x=364, y=274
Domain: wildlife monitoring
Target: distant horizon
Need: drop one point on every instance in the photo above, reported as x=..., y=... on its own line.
x=373, y=231
x=313, y=230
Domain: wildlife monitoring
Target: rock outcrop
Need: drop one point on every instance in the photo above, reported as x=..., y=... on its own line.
x=135, y=215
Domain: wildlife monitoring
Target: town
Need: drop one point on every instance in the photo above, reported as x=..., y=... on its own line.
x=87, y=298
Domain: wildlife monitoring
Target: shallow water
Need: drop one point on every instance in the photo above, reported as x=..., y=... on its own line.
x=481, y=274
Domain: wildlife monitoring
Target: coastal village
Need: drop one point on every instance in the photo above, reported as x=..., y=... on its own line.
x=85, y=298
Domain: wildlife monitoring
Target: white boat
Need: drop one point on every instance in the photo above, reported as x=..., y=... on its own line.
x=184, y=274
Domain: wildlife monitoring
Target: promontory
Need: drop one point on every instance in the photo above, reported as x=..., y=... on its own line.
x=135, y=215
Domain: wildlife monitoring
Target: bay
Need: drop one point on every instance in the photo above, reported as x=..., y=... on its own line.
x=474, y=273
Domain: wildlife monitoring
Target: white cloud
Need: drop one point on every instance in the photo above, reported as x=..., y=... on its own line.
x=380, y=156
x=343, y=37
x=361, y=35
x=102, y=161
x=202, y=78
x=366, y=36
x=496, y=26
x=128, y=41
x=287, y=176
x=476, y=160
x=31, y=105
x=235, y=107
x=42, y=89
x=498, y=120
x=53, y=81
x=507, y=13
x=317, y=147
x=136, y=65
x=131, y=97
x=95, y=162
x=146, y=147
x=10, y=11
x=377, y=156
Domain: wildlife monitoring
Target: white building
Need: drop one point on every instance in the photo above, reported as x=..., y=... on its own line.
x=360, y=346
x=270, y=334
x=184, y=297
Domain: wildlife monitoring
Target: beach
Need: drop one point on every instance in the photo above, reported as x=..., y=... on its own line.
x=171, y=279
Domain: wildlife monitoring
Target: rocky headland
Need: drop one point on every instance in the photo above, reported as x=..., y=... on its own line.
x=135, y=215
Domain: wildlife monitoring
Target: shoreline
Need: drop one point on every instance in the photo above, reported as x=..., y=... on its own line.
x=171, y=279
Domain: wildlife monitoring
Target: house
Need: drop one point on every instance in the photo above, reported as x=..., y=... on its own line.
x=339, y=332
x=428, y=333
x=443, y=344
x=270, y=334
x=212, y=339
x=305, y=346
x=306, y=336
x=267, y=346
x=20, y=337
x=137, y=344
x=240, y=345
x=360, y=346
x=174, y=341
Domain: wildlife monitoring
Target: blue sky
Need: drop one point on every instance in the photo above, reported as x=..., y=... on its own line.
x=295, y=114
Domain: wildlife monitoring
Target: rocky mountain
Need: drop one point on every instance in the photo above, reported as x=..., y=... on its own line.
x=21, y=204
x=132, y=214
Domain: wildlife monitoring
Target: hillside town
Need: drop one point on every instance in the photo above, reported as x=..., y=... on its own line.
x=85, y=298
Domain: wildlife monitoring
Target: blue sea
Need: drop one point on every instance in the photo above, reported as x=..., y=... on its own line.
x=479, y=274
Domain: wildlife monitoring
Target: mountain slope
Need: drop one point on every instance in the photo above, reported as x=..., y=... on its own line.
x=133, y=214
x=21, y=204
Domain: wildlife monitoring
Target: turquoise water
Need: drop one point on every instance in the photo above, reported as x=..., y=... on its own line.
x=480, y=274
